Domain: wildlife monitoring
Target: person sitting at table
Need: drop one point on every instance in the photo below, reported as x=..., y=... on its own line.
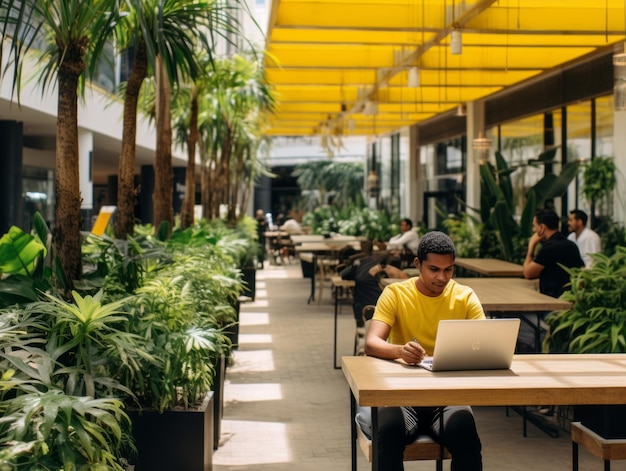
x=366, y=271
x=407, y=239
x=404, y=326
x=291, y=227
x=546, y=264
x=588, y=240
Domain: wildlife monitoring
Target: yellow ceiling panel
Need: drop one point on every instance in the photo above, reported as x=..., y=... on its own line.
x=329, y=59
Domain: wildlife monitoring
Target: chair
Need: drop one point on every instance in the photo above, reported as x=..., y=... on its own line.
x=424, y=448
x=361, y=332
x=326, y=267
x=606, y=449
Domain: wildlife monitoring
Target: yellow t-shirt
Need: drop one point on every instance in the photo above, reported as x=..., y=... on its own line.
x=411, y=314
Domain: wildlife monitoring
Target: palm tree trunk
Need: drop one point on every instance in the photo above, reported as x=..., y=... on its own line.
x=126, y=191
x=186, y=218
x=68, y=218
x=163, y=179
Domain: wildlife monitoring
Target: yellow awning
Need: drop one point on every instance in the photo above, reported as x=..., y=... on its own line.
x=342, y=66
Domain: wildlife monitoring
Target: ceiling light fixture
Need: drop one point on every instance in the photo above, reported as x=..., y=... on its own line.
x=456, y=42
x=481, y=146
x=461, y=110
x=619, y=84
x=413, y=77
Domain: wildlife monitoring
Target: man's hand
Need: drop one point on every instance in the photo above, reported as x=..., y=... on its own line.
x=412, y=353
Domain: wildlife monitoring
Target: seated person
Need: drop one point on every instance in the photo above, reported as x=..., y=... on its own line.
x=409, y=310
x=405, y=242
x=291, y=227
x=366, y=272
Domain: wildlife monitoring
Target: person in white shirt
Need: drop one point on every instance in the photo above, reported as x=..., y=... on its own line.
x=407, y=239
x=587, y=240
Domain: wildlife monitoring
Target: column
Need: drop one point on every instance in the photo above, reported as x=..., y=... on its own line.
x=475, y=125
x=619, y=153
x=85, y=161
x=11, y=209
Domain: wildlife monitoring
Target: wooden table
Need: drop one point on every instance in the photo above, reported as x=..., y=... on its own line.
x=508, y=294
x=533, y=379
x=316, y=248
x=490, y=267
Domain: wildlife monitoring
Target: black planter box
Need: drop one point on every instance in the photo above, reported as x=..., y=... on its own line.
x=175, y=439
x=608, y=421
x=249, y=277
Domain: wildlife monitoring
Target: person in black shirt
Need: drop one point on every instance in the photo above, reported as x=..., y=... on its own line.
x=545, y=264
x=366, y=272
x=555, y=250
x=261, y=229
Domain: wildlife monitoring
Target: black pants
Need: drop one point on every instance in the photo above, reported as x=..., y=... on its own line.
x=397, y=427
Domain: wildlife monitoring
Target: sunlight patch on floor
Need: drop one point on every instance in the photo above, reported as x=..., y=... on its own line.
x=259, y=302
x=254, y=338
x=260, y=293
x=269, y=438
x=253, y=318
x=249, y=392
x=252, y=360
x=272, y=274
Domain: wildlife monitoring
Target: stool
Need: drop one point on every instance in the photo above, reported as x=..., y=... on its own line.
x=606, y=449
x=424, y=448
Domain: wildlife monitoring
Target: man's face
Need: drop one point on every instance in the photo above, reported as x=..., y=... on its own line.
x=539, y=229
x=435, y=273
x=573, y=224
x=404, y=226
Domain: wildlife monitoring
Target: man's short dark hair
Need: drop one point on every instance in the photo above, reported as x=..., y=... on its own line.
x=547, y=217
x=435, y=242
x=580, y=215
x=408, y=222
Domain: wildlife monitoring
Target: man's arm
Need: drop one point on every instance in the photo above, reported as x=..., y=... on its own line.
x=376, y=345
x=532, y=269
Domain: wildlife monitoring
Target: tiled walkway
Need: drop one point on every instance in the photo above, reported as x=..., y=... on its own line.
x=287, y=408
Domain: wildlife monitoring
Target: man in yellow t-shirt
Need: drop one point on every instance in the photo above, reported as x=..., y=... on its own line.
x=411, y=310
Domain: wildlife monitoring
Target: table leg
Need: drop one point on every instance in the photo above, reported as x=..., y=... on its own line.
x=312, y=295
x=375, y=439
x=336, y=293
x=353, y=429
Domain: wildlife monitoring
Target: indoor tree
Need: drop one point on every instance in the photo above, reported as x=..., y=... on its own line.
x=164, y=35
x=67, y=37
x=238, y=100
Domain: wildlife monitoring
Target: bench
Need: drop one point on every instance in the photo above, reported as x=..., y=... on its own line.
x=606, y=449
x=424, y=448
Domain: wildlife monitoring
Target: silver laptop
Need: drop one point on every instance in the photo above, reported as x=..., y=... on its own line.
x=483, y=344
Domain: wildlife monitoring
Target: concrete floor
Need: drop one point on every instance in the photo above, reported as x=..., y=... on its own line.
x=287, y=408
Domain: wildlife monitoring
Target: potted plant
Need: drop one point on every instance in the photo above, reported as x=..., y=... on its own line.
x=57, y=361
x=183, y=312
x=596, y=323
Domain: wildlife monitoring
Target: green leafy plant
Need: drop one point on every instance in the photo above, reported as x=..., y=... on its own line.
x=354, y=221
x=497, y=208
x=25, y=268
x=53, y=431
x=596, y=323
x=598, y=178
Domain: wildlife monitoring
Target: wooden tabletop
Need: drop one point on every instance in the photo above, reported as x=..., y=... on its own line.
x=532, y=379
x=326, y=246
x=508, y=294
x=490, y=266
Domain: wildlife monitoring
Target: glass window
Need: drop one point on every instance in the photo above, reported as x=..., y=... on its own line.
x=604, y=126
x=579, y=131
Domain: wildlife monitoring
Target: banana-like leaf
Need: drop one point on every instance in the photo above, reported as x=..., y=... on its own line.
x=18, y=252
